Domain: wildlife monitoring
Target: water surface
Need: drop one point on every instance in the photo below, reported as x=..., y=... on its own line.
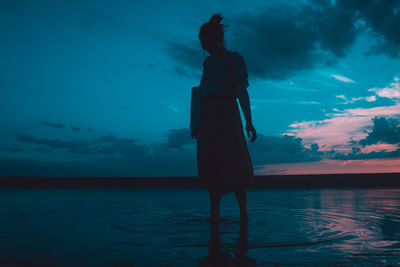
x=169, y=227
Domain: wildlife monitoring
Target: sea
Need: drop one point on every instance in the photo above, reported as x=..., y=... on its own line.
x=171, y=227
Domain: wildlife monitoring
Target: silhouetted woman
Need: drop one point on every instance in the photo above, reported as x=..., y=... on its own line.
x=223, y=159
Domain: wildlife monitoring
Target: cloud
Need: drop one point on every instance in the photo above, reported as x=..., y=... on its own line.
x=177, y=138
x=281, y=40
x=378, y=147
x=343, y=128
x=383, y=141
x=370, y=98
x=342, y=78
x=104, y=145
x=392, y=91
x=341, y=96
x=75, y=128
x=125, y=147
x=176, y=156
x=382, y=19
x=11, y=148
x=59, y=125
x=277, y=149
x=331, y=133
x=378, y=151
x=164, y=162
x=109, y=155
x=179, y=69
x=188, y=56
x=53, y=143
x=91, y=130
x=384, y=130
x=55, y=125
x=266, y=149
x=356, y=155
x=354, y=99
x=393, y=110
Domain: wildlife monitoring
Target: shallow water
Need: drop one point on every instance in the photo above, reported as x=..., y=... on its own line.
x=169, y=227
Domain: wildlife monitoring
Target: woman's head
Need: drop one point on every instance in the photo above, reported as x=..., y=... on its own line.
x=211, y=34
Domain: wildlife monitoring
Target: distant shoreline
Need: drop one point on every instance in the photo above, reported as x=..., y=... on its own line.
x=265, y=181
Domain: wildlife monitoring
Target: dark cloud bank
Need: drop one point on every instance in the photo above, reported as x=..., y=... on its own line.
x=282, y=40
x=113, y=156
x=384, y=130
x=109, y=155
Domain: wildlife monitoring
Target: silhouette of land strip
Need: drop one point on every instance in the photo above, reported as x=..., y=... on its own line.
x=265, y=181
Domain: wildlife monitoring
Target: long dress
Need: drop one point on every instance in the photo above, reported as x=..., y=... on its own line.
x=223, y=159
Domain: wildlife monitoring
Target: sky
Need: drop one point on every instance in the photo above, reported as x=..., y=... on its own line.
x=102, y=88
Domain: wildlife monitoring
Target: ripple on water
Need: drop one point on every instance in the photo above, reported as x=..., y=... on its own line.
x=268, y=228
x=308, y=227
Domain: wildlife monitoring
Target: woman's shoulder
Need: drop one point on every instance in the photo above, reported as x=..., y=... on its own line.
x=235, y=55
x=235, y=59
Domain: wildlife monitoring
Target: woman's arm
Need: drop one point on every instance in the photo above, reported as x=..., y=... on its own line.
x=245, y=105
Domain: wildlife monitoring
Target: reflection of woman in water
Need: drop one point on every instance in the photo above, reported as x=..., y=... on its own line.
x=221, y=254
x=223, y=159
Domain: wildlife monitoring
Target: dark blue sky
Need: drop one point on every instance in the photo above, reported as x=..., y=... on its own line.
x=101, y=88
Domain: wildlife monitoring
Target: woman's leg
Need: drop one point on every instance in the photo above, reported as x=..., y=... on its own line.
x=215, y=199
x=241, y=197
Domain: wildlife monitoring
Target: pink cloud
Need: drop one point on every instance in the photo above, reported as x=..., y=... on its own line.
x=379, y=147
x=331, y=133
x=371, y=112
x=370, y=98
x=343, y=126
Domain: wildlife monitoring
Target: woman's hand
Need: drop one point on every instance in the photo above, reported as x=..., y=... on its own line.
x=250, y=128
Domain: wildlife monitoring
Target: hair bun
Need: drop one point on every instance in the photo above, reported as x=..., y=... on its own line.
x=216, y=19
